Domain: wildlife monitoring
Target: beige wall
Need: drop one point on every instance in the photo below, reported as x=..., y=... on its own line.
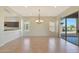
x=57, y=27
x=39, y=29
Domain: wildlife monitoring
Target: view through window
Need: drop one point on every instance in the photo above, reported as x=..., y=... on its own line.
x=69, y=30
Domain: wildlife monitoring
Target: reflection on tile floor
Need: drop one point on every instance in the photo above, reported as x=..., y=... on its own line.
x=39, y=45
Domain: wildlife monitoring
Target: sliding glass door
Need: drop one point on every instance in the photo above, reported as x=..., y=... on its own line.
x=69, y=30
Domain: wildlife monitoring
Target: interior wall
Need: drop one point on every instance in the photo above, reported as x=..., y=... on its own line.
x=1, y=23
x=37, y=29
x=56, y=20
x=40, y=29
x=6, y=36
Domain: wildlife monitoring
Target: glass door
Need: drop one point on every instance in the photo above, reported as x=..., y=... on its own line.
x=71, y=31
x=70, y=28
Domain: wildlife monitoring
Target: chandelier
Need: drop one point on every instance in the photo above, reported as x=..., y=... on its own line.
x=39, y=21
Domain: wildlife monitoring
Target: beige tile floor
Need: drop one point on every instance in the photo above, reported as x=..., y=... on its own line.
x=39, y=45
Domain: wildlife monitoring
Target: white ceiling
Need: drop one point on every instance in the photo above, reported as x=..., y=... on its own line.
x=44, y=10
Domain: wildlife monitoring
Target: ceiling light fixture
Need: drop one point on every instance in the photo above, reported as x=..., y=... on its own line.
x=39, y=20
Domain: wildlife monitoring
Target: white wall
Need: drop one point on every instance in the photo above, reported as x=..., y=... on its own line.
x=1, y=23
x=7, y=36
x=37, y=29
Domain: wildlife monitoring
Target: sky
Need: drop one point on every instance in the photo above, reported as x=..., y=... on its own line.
x=70, y=21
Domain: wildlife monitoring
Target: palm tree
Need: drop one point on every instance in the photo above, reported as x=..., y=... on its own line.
x=71, y=27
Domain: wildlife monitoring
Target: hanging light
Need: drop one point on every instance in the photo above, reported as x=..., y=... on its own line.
x=39, y=20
